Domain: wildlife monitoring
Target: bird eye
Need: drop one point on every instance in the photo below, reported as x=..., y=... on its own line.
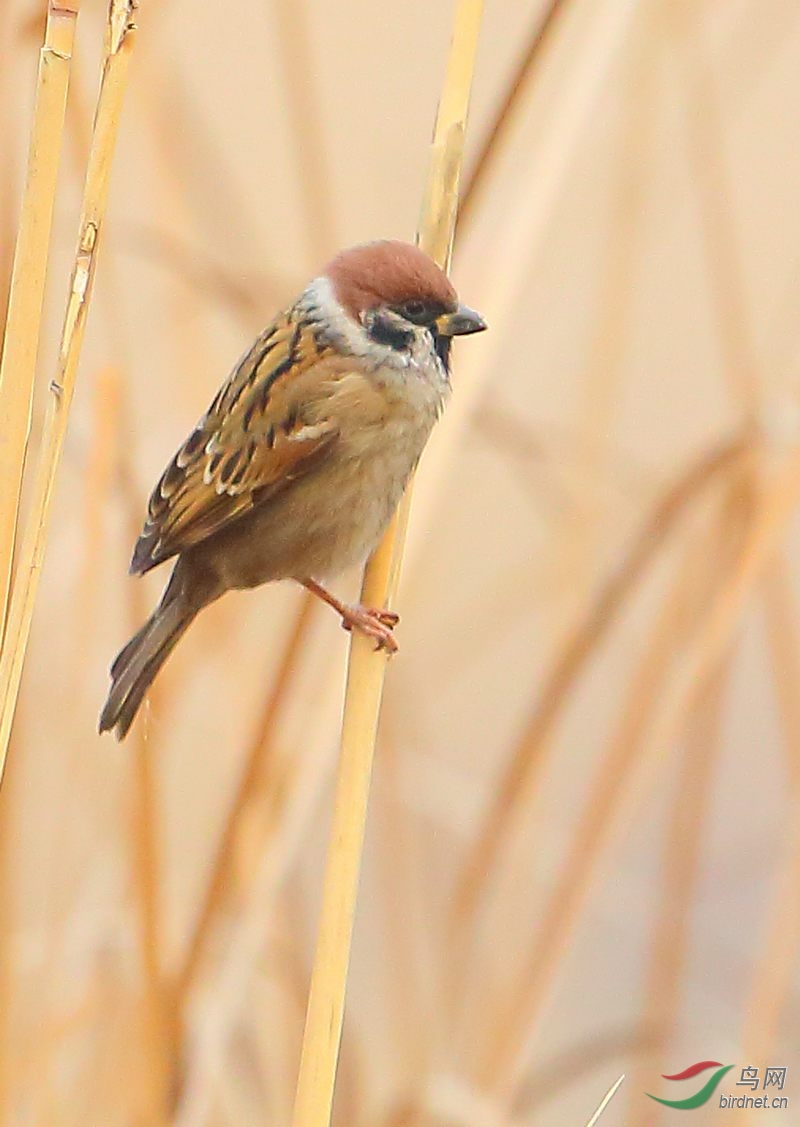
x=415, y=310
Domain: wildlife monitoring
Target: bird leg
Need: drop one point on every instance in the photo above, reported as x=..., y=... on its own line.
x=377, y=624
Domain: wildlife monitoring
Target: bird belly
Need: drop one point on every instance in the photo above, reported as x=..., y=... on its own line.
x=330, y=519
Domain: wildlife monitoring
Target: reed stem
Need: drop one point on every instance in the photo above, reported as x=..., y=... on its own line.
x=29, y=272
x=119, y=42
x=366, y=671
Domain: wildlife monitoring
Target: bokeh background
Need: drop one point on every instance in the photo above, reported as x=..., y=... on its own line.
x=583, y=854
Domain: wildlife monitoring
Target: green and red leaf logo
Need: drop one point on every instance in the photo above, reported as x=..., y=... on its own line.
x=705, y=1093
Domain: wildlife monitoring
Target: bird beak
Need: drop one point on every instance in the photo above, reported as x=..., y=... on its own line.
x=461, y=321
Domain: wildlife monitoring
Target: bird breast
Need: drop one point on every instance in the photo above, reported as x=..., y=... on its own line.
x=333, y=517
x=385, y=428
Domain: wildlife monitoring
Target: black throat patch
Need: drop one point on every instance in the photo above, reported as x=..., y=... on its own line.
x=442, y=345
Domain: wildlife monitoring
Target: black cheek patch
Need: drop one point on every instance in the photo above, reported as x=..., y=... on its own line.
x=388, y=332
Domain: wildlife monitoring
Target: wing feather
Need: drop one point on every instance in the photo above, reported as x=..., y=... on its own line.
x=262, y=431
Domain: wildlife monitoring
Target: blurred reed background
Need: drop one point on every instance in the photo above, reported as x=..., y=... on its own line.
x=583, y=854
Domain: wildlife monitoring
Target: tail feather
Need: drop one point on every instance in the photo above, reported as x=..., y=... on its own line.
x=126, y=653
x=138, y=662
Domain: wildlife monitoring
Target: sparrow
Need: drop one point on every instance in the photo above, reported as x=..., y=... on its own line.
x=296, y=468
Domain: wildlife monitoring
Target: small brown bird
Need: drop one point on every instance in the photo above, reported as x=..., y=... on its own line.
x=298, y=464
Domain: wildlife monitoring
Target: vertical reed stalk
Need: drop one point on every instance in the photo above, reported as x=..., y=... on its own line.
x=119, y=43
x=8, y=208
x=319, y=1056
x=29, y=271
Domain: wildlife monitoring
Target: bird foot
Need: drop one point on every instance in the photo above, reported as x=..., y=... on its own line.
x=377, y=624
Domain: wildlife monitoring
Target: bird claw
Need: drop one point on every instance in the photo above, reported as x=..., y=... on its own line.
x=377, y=624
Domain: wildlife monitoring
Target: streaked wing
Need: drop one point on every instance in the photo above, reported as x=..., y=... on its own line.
x=262, y=431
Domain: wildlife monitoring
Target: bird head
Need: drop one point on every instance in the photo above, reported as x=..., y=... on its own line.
x=396, y=292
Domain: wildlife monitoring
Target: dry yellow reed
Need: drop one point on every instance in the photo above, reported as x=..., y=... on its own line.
x=411, y=990
x=110, y=461
x=8, y=210
x=319, y=1056
x=29, y=271
x=541, y=178
x=119, y=42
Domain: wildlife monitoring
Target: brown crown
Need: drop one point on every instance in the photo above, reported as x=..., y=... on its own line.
x=388, y=272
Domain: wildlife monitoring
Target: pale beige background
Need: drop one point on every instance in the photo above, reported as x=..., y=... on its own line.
x=635, y=251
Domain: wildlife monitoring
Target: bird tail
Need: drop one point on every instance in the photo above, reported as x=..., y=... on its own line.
x=137, y=664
